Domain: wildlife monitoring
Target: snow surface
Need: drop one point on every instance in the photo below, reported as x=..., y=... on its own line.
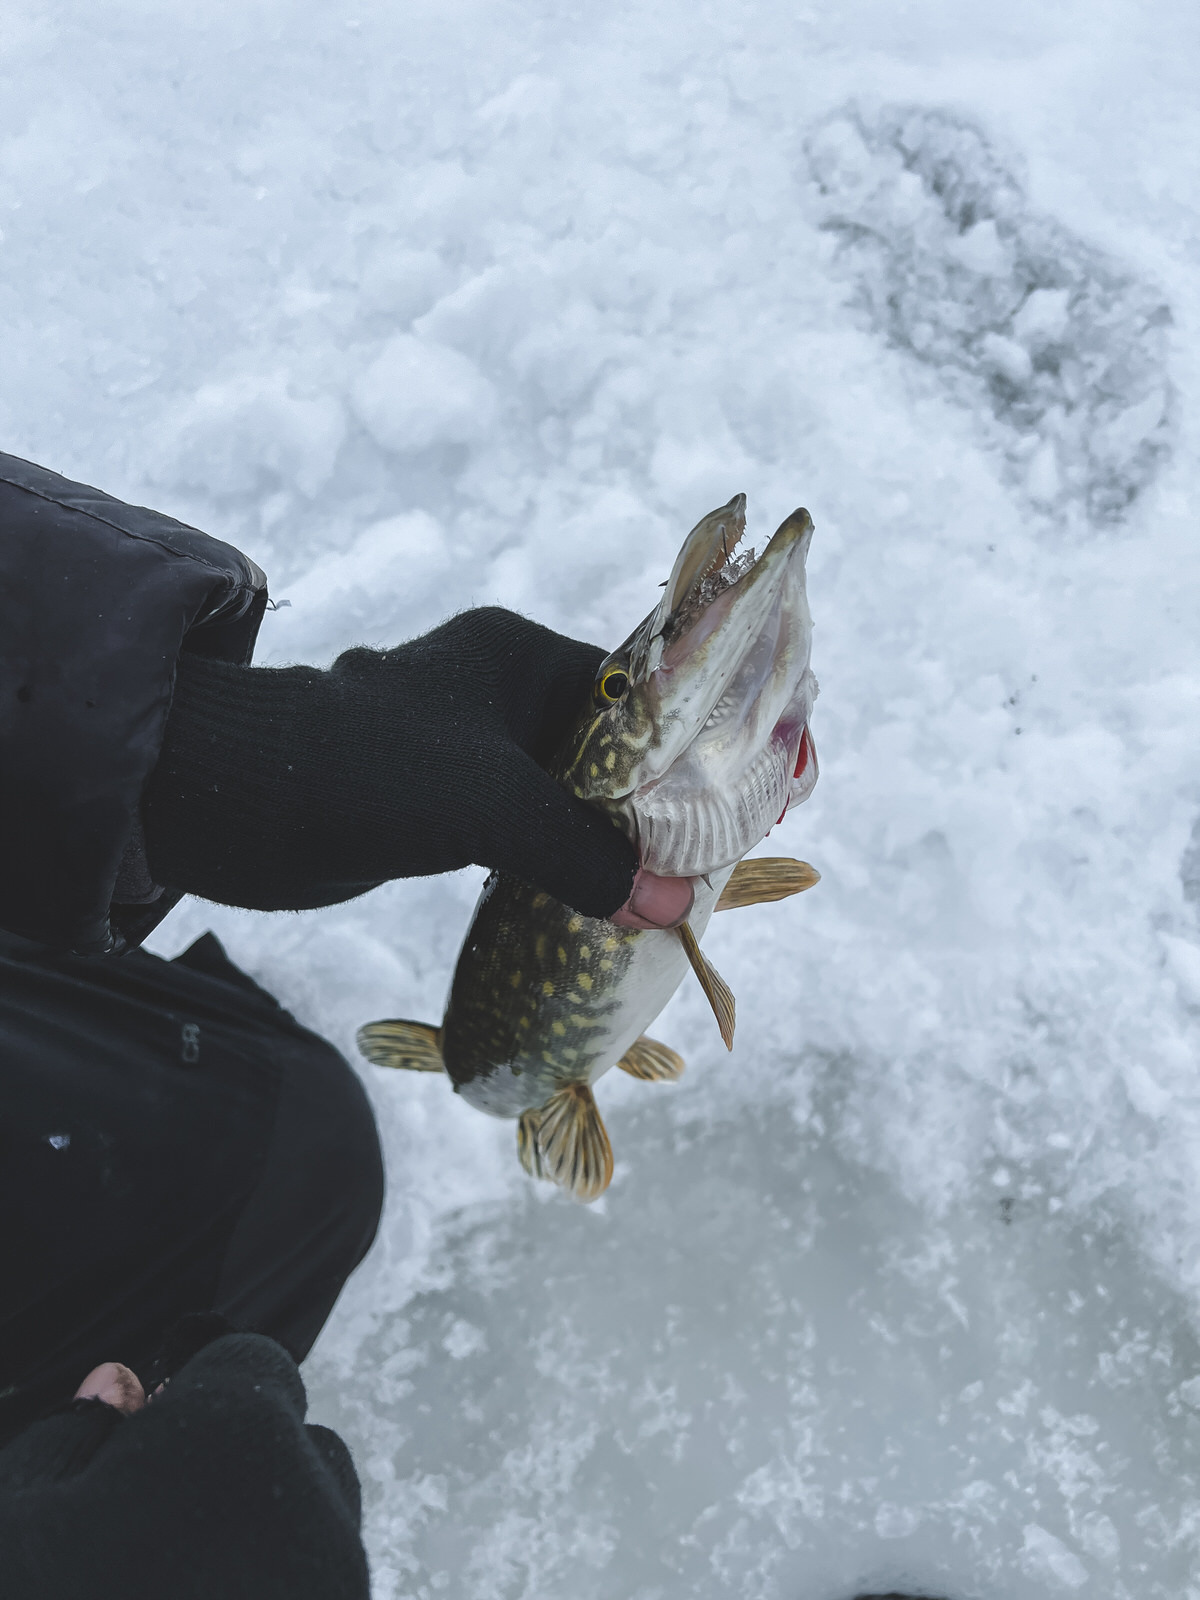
x=431, y=305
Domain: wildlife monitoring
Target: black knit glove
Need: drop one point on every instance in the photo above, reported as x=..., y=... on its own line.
x=284, y=788
x=216, y=1488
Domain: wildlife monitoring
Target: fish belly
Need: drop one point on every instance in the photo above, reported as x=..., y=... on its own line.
x=657, y=966
x=543, y=997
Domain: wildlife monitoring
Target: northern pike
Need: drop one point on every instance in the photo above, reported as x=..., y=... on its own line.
x=695, y=741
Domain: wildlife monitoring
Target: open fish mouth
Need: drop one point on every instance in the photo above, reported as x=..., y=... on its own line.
x=720, y=675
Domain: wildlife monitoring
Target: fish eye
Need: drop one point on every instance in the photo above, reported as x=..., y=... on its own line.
x=612, y=686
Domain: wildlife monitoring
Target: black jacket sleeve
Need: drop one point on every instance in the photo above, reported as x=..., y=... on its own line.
x=96, y=601
x=127, y=704
x=215, y=1488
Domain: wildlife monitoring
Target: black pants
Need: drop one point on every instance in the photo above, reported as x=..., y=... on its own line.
x=171, y=1141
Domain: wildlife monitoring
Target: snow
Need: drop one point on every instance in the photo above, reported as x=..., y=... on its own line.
x=430, y=306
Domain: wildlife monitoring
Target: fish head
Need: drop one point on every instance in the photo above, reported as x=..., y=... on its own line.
x=696, y=740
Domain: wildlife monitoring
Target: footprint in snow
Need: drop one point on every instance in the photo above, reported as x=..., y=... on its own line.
x=1061, y=351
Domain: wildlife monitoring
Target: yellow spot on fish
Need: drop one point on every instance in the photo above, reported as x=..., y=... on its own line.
x=515, y=980
x=539, y=900
x=548, y=1058
x=594, y=770
x=584, y=953
x=562, y=955
x=611, y=944
x=524, y=1022
x=584, y=1022
x=610, y=761
x=558, y=1028
x=584, y=981
x=575, y=925
x=605, y=964
x=539, y=947
x=569, y=1054
x=547, y=987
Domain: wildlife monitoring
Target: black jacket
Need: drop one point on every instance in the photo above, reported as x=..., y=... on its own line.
x=96, y=600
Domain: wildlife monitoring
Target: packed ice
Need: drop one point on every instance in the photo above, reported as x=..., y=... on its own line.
x=437, y=305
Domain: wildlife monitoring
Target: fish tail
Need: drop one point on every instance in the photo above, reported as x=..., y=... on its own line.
x=570, y=1143
x=527, y=1143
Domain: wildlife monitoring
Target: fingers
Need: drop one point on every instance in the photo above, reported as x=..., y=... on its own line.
x=568, y=671
x=573, y=851
x=533, y=681
x=115, y=1385
x=656, y=902
x=543, y=679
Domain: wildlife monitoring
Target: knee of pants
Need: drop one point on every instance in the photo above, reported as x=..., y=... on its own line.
x=327, y=1128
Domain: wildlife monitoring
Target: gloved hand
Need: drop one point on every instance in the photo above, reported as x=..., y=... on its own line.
x=284, y=788
x=216, y=1486
x=474, y=710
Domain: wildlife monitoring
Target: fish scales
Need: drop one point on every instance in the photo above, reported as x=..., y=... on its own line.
x=587, y=989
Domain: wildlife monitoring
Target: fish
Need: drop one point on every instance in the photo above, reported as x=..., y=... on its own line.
x=695, y=741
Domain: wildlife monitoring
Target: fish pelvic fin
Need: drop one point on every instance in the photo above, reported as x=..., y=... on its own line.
x=717, y=991
x=527, y=1144
x=751, y=883
x=415, y=1046
x=651, y=1062
x=571, y=1142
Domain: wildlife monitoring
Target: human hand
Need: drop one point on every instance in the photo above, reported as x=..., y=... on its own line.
x=282, y=788
x=116, y=1385
x=656, y=902
x=478, y=707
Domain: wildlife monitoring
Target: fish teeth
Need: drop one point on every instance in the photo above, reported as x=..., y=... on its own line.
x=720, y=711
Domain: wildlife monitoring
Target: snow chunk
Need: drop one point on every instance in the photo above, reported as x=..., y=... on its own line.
x=416, y=394
x=1006, y=357
x=360, y=593
x=1043, y=319
x=1044, y=1556
x=400, y=284
x=1183, y=961
x=982, y=251
x=896, y=1522
x=464, y=1339
x=252, y=434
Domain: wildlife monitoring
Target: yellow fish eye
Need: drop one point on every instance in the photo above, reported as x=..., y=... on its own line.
x=612, y=686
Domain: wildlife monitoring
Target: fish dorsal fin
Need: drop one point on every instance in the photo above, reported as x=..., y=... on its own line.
x=651, y=1061
x=571, y=1144
x=413, y=1045
x=720, y=996
x=751, y=883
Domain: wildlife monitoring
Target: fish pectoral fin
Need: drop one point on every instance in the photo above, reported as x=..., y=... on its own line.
x=415, y=1046
x=751, y=883
x=572, y=1144
x=720, y=995
x=651, y=1062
